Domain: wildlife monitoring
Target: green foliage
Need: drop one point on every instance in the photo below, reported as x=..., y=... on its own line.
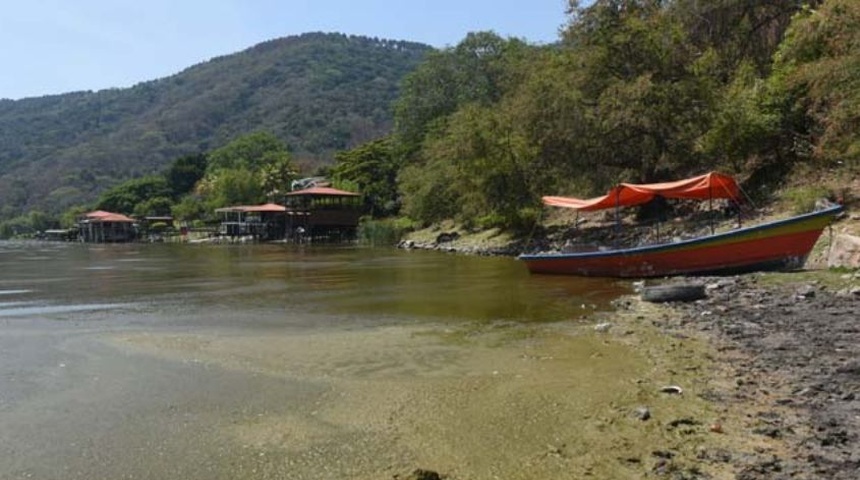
x=231, y=187
x=153, y=207
x=464, y=157
x=250, y=152
x=26, y=226
x=475, y=71
x=491, y=160
x=69, y=218
x=247, y=170
x=737, y=31
x=125, y=197
x=429, y=192
x=41, y=221
x=14, y=228
x=819, y=63
x=185, y=172
x=744, y=121
x=276, y=174
x=643, y=90
x=639, y=90
x=372, y=168
x=189, y=208
x=317, y=92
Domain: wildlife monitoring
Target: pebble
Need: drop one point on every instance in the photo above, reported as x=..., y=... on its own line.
x=602, y=327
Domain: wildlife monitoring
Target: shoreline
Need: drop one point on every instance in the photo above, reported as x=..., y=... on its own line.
x=791, y=345
x=788, y=346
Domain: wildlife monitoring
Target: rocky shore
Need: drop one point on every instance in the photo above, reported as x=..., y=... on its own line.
x=792, y=342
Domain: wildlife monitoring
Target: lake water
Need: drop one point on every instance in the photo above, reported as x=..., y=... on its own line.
x=179, y=361
x=264, y=284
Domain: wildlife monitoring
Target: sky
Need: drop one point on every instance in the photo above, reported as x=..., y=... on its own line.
x=58, y=46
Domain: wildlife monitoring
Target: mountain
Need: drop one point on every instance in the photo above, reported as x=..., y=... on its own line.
x=318, y=92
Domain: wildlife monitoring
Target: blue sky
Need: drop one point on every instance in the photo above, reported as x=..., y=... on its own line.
x=58, y=46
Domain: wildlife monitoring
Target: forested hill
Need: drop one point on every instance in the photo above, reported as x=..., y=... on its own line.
x=317, y=92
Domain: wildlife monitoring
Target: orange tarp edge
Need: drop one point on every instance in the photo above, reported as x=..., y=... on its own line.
x=703, y=187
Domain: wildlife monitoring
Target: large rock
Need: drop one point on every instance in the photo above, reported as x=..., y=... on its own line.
x=844, y=252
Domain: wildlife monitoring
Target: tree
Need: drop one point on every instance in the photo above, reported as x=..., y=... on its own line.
x=489, y=160
x=738, y=31
x=185, y=172
x=745, y=124
x=373, y=168
x=477, y=70
x=276, y=174
x=125, y=197
x=190, y=207
x=153, y=207
x=247, y=170
x=638, y=72
x=250, y=152
x=818, y=65
x=237, y=186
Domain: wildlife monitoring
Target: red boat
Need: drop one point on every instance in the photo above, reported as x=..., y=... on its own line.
x=777, y=245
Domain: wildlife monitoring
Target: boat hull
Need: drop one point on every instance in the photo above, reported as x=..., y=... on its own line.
x=780, y=245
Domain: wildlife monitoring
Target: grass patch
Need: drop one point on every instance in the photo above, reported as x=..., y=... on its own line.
x=383, y=232
x=802, y=199
x=831, y=278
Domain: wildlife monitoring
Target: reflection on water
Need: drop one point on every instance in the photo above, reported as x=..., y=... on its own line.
x=8, y=310
x=271, y=281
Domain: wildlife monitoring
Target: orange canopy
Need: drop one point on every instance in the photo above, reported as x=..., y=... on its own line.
x=703, y=187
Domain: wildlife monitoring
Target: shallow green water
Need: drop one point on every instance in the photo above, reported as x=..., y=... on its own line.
x=132, y=361
x=169, y=282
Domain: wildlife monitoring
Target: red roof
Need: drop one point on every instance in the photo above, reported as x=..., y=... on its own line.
x=268, y=208
x=324, y=192
x=104, y=216
x=703, y=187
x=97, y=214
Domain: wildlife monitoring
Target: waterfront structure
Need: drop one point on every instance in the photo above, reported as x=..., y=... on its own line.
x=322, y=214
x=106, y=227
x=263, y=222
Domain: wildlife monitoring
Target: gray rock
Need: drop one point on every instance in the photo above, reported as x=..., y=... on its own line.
x=844, y=252
x=602, y=327
x=642, y=413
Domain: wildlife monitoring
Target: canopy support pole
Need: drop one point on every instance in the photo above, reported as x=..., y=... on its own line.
x=738, y=207
x=617, y=216
x=711, y=207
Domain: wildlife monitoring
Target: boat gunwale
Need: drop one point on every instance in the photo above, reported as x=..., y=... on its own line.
x=655, y=248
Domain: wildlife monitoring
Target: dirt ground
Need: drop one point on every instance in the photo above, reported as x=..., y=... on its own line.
x=792, y=344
